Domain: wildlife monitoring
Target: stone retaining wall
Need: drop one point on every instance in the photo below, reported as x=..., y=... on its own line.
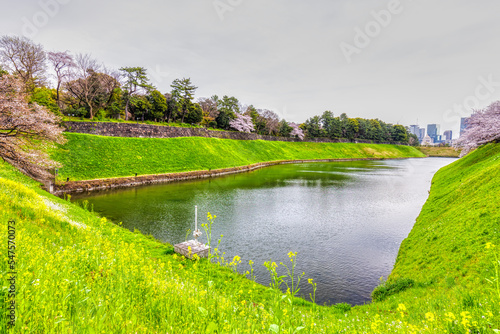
x=157, y=131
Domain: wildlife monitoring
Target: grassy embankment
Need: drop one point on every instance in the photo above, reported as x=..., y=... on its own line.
x=88, y=157
x=79, y=273
x=437, y=151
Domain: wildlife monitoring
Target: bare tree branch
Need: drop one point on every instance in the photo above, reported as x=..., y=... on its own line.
x=24, y=58
x=61, y=62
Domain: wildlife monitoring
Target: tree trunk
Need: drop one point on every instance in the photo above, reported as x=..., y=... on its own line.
x=126, y=109
x=57, y=94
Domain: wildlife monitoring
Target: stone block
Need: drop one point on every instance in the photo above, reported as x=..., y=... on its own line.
x=196, y=248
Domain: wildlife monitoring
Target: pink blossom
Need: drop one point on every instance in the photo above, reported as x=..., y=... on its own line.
x=242, y=123
x=482, y=127
x=296, y=131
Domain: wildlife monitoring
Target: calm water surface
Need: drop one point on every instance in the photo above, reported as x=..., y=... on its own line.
x=346, y=220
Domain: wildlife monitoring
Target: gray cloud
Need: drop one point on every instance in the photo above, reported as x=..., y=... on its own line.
x=286, y=55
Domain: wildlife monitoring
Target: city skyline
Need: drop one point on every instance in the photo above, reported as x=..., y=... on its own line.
x=435, y=132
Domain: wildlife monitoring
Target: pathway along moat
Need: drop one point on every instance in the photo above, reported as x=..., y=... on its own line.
x=346, y=220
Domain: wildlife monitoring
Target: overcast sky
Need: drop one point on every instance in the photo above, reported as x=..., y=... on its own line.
x=399, y=61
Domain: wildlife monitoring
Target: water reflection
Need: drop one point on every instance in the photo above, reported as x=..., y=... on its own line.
x=346, y=220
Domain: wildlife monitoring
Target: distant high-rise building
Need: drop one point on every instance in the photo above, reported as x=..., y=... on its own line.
x=414, y=129
x=463, y=124
x=421, y=134
x=448, y=135
x=433, y=132
x=417, y=131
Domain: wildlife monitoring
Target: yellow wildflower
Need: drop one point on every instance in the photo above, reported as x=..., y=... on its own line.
x=450, y=316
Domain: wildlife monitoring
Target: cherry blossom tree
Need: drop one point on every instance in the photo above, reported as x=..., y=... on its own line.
x=296, y=131
x=26, y=130
x=482, y=127
x=242, y=123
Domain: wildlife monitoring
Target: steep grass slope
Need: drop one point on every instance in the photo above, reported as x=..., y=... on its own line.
x=89, y=157
x=78, y=273
x=461, y=215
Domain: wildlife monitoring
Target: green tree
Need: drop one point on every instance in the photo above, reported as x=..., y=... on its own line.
x=375, y=130
x=159, y=106
x=400, y=134
x=183, y=94
x=331, y=125
x=313, y=127
x=194, y=114
x=413, y=139
x=115, y=107
x=387, y=131
x=172, y=108
x=256, y=120
x=227, y=107
x=363, y=128
x=223, y=120
x=46, y=97
x=352, y=128
x=284, y=128
x=140, y=106
x=135, y=78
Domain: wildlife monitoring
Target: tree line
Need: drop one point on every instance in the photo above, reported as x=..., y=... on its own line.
x=86, y=88
x=327, y=125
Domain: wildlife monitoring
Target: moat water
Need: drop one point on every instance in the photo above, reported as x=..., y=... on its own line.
x=345, y=220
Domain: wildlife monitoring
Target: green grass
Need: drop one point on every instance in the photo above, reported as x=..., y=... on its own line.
x=87, y=157
x=461, y=215
x=438, y=151
x=78, y=273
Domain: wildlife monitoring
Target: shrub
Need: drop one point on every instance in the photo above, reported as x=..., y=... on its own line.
x=342, y=307
x=387, y=289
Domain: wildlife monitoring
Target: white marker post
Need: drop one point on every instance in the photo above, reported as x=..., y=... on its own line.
x=193, y=247
x=196, y=233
